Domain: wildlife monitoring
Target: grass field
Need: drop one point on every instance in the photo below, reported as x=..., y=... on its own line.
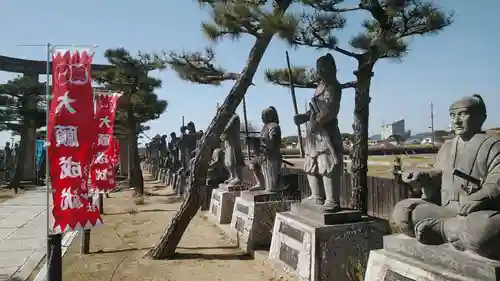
x=383, y=169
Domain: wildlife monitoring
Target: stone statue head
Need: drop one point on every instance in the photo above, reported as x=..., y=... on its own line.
x=270, y=115
x=468, y=115
x=326, y=66
x=173, y=135
x=7, y=144
x=191, y=128
x=163, y=138
x=183, y=129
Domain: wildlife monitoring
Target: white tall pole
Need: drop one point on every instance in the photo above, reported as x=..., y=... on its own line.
x=48, y=186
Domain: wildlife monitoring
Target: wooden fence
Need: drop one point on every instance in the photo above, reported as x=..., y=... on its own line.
x=383, y=193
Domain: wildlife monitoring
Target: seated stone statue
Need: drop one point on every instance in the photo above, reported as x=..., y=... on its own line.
x=267, y=165
x=217, y=172
x=467, y=176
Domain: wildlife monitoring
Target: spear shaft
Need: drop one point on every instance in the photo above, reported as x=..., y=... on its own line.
x=294, y=101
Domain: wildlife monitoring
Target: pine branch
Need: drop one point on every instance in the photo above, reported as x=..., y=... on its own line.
x=199, y=68
x=395, y=21
x=302, y=78
x=235, y=18
x=329, y=5
x=315, y=30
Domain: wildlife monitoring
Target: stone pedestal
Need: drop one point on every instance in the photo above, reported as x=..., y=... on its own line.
x=311, y=245
x=222, y=202
x=163, y=172
x=253, y=217
x=404, y=258
x=180, y=186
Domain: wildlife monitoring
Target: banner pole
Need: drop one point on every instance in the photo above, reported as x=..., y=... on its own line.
x=53, y=258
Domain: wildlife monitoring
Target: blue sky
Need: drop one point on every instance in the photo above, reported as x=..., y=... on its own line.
x=459, y=61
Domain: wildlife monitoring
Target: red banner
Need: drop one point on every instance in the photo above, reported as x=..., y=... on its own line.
x=103, y=169
x=70, y=136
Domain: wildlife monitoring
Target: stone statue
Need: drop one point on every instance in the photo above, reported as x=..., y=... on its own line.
x=466, y=179
x=16, y=152
x=173, y=152
x=182, y=148
x=9, y=159
x=217, y=172
x=267, y=167
x=148, y=151
x=192, y=137
x=163, y=150
x=233, y=158
x=323, y=141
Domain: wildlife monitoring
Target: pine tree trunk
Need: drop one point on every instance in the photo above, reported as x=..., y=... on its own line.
x=173, y=234
x=360, y=127
x=130, y=162
x=19, y=170
x=136, y=178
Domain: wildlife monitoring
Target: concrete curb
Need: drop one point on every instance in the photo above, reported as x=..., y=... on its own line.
x=65, y=243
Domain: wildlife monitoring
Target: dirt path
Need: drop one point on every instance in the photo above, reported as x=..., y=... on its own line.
x=117, y=248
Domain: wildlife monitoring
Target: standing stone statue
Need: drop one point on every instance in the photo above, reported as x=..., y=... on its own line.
x=467, y=179
x=268, y=165
x=16, y=153
x=182, y=148
x=148, y=151
x=192, y=137
x=163, y=150
x=233, y=159
x=323, y=142
x=9, y=160
x=173, y=151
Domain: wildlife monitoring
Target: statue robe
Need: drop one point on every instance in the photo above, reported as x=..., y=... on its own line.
x=480, y=158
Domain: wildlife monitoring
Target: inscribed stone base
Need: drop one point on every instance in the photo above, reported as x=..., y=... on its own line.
x=311, y=251
x=253, y=220
x=222, y=204
x=404, y=258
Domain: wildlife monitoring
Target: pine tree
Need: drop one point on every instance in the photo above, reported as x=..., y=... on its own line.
x=386, y=34
x=261, y=19
x=139, y=103
x=21, y=110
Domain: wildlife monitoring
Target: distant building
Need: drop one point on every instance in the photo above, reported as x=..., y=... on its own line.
x=395, y=128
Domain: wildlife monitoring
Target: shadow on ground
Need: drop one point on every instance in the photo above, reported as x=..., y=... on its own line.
x=138, y=211
x=221, y=257
x=120, y=250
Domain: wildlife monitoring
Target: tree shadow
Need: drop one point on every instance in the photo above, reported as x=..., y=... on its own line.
x=233, y=247
x=138, y=211
x=199, y=256
x=159, y=195
x=120, y=251
x=5, y=277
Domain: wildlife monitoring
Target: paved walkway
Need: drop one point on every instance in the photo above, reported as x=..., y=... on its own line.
x=23, y=232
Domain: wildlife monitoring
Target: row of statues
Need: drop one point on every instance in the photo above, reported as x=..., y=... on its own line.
x=460, y=201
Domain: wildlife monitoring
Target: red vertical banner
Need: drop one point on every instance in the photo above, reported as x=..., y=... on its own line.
x=70, y=136
x=102, y=176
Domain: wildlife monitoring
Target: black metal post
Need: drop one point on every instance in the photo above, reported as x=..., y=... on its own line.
x=54, y=257
x=101, y=203
x=84, y=242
